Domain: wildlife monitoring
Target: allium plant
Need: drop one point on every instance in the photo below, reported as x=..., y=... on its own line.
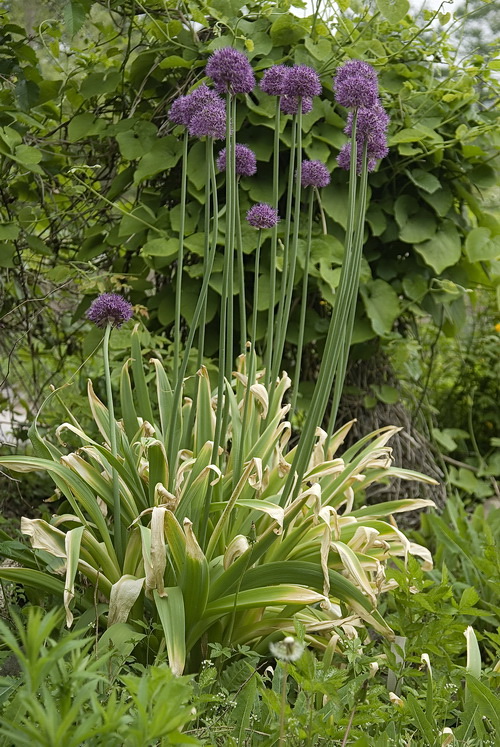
x=195, y=513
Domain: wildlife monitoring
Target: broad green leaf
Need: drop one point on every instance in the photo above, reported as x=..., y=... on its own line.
x=34, y=579
x=171, y=612
x=161, y=247
x=381, y=304
x=75, y=15
x=443, y=249
x=480, y=245
x=287, y=29
x=418, y=227
x=425, y=180
x=163, y=154
x=393, y=10
x=85, y=125
x=137, y=141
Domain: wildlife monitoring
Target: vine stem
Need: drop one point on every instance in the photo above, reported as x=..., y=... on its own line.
x=118, y=538
x=180, y=257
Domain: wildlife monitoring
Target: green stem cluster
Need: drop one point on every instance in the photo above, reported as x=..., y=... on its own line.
x=117, y=522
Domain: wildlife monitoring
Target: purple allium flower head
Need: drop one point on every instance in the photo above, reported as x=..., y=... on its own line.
x=262, y=215
x=109, y=308
x=314, y=174
x=274, y=80
x=302, y=80
x=371, y=122
x=246, y=161
x=185, y=108
x=177, y=114
x=231, y=71
x=344, y=158
x=355, y=84
x=210, y=121
x=290, y=104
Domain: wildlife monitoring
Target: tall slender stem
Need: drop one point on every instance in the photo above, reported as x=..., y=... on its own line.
x=241, y=273
x=117, y=522
x=334, y=342
x=206, y=249
x=292, y=254
x=224, y=337
x=175, y=425
x=251, y=362
x=282, y=740
x=230, y=233
x=274, y=245
x=180, y=257
x=280, y=317
x=303, y=305
x=353, y=291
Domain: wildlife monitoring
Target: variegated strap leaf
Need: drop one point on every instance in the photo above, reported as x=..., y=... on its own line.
x=124, y=594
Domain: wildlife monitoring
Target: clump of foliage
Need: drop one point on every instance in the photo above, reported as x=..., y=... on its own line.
x=92, y=181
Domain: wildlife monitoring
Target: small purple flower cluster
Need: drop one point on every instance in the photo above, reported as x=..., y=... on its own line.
x=294, y=85
x=245, y=160
x=202, y=111
x=314, y=174
x=356, y=88
x=230, y=71
x=262, y=215
x=109, y=308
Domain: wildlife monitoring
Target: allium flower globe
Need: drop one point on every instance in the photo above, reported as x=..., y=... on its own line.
x=290, y=104
x=273, y=80
x=314, y=174
x=355, y=84
x=302, y=80
x=231, y=71
x=209, y=122
x=109, y=308
x=185, y=108
x=245, y=160
x=371, y=123
x=262, y=215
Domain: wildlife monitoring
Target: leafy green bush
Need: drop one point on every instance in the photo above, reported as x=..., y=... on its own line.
x=84, y=123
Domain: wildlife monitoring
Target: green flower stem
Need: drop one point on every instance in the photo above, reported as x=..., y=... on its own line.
x=226, y=319
x=241, y=274
x=274, y=246
x=291, y=259
x=333, y=345
x=282, y=740
x=230, y=237
x=206, y=250
x=303, y=306
x=251, y=361
x=175, y=425
x=118, y=536
x=352, y=294
x=180, y=256
x=281, y=320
